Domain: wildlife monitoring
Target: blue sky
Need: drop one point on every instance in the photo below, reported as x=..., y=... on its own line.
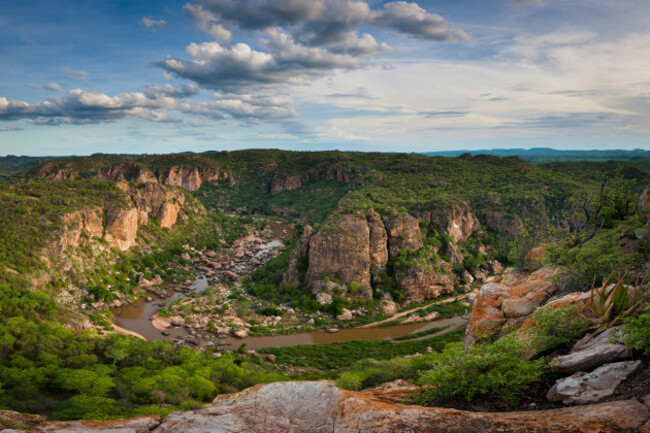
x=79, y=77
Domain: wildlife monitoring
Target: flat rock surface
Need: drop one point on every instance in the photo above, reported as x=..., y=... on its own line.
x=590, y=358
x=584, y=388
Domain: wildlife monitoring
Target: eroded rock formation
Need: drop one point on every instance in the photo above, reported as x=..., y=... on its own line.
x=403, y=234
x=508, y=300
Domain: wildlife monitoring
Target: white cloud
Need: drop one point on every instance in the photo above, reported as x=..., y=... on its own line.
x=77, y=75
x=153, y=25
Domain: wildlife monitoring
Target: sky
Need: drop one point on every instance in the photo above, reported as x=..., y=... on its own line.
x=157, y=76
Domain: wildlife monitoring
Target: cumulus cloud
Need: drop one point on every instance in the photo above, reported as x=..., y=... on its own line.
x=298, y=40
x=239, y=68
x=247, y=108
x=49, y=86
x=82, y=107
x=154, y=25
x=318, y=22
x=154, y=104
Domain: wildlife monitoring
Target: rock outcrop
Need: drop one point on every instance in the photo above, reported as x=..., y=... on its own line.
x=589, y=358
x=292, y=181
x=403, y=234
x=425, y=282
x=456, y=220
x=86, y=221
x=339, y=255
x=128, y=171
x=292, y=275
x=585, y=388
x=121, y=226
x=508, y=300
x=378, y=241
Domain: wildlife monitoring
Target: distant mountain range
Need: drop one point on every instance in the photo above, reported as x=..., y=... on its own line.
x=12, y=164
x=540, y=155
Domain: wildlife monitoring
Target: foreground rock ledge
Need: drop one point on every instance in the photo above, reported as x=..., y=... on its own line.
x=321, y=407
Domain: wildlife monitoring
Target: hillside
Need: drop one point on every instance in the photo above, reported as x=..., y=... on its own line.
x=285, y=243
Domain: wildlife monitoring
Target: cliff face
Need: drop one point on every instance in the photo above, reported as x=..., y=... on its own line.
x=289, y=182
x=121, y=226
x=189, y=178
x=339, y=256
x=455, y=220
x=355, y=247
x=403, y=234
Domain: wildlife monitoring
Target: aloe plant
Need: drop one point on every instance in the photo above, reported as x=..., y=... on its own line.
x=611, y=303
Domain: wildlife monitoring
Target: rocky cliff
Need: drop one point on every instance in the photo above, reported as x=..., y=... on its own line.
x=354, y=248
x=323, y=171
x=317, y=407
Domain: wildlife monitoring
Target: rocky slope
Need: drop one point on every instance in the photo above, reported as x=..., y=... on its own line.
x=321, y=407
x=353, y=248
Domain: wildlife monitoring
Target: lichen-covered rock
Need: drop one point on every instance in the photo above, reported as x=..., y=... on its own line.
x=517, y=295
x=292, y=275
x=425, y=282
x=378, y=241
x=534, y=257
x=340, y=253
x=121, y=227
x=403, y=234
x=585, y=388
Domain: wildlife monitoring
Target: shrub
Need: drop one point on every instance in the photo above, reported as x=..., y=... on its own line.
x=491, y=369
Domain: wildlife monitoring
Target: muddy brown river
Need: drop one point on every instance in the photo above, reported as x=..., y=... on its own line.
x=136, y=317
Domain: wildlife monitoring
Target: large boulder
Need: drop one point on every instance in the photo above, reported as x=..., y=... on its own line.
x=339, y=255
x=534, y=258
x=589, y=358
x=185, y=177
x=292, y=275
x=508, y=300
x=422, y=282
x=403, y=234
x=585, y=388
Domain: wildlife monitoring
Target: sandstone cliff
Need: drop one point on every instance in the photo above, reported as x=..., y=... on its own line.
x=292, y=181
x=456, y=220
x=403, y=234
x=340, y=255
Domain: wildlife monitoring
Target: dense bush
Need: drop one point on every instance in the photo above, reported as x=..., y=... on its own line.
x=495, y=369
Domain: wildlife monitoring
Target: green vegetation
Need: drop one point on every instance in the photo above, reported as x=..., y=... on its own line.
x=46, y=368
x=495, y=369
x=330, y=358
